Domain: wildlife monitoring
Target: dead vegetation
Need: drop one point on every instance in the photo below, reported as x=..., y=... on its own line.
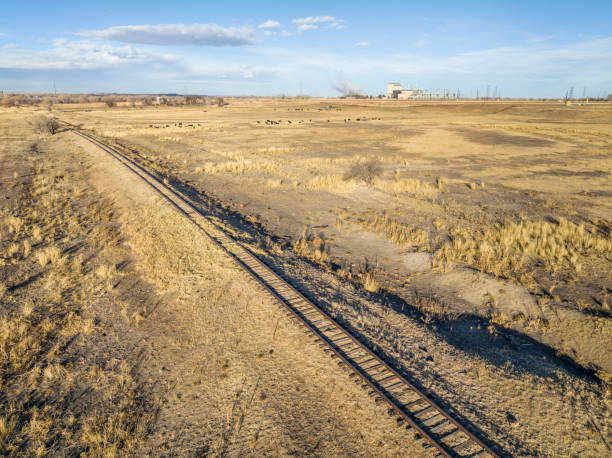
x=47, y=125
x=312, y=247
x=403, y=235
x=363, y=171
x=515, y=250
x=59, y=394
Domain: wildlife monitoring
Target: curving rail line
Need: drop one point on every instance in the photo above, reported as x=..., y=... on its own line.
x=437, y=428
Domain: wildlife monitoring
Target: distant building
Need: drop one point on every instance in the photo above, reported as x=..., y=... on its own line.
x=393, y=89
x=396, y=91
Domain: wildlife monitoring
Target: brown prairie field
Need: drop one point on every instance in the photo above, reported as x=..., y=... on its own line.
x=470, y=243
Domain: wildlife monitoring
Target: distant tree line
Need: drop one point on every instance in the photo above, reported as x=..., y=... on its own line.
x=110, y=100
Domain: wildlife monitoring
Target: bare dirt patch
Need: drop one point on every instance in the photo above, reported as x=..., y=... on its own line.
x=491, y=137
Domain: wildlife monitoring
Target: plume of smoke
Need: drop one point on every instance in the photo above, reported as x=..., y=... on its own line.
x=345, y=86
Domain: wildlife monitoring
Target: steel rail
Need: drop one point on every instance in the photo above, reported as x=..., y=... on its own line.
x=431, y=422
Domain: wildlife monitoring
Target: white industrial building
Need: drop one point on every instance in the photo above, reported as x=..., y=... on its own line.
x=396, y=91
x=393, y=89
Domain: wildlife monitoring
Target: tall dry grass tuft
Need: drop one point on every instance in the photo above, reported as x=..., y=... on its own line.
x=239, y=165
x=330, y=183
x=399, y=186
x=403, y=235
x=506, y=249
x=369, y=282
x=48, y=255
x=311, y=247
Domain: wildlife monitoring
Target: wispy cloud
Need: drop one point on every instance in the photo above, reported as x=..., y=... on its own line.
x=312, y=22
x=269, y=24
x=533, y=38
x=420, y=43
x=363, y=43
x=80, y=54
x=176, y=34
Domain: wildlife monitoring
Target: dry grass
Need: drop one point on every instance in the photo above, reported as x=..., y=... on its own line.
x=399, y=186
x=311, y=247
x=331, y=183
x=369, y=282
x=48, y=255
x=49, y=390
x=238, y=166
x=509, y=248
x=403, y=235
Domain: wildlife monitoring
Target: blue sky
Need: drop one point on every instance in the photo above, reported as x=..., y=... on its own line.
x=526, y=49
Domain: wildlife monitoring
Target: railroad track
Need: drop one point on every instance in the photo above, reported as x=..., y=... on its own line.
x=435, y=426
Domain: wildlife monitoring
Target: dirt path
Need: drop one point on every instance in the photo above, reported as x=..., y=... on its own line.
x=236, y=379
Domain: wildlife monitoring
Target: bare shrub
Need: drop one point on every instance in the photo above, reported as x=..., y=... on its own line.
x=220, y=102
x=110, y=103
x=47, y=125
x=363, y=171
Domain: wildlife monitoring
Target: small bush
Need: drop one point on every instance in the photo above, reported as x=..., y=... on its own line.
x=47, y=125
x=363, y=171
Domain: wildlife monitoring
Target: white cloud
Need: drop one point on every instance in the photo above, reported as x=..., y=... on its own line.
x=304, y=27
x=363, y=43
x=420, y=43
x=268, y=33
x=313, y=19
x=176, y=34
x=80, y=54
x=269, y=24
x=311, y=22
